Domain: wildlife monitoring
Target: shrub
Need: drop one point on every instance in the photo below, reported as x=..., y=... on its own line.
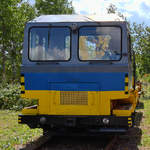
x=10, y=98
x=146, y=78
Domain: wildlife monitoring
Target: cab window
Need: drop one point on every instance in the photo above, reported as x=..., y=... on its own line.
x=99, y=43
x=49, y=44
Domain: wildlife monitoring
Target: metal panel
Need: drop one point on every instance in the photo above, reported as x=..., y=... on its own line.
x=97, y=67
x=75, y=81
x=77, y=18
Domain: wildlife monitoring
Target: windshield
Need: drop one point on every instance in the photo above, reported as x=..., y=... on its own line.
x=99, y=43
x=48, y=44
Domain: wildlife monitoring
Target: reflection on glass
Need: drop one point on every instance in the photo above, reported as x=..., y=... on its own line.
x=49, y=44
x=99, y=43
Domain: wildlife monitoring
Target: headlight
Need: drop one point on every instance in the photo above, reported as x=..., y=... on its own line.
x=105, y=120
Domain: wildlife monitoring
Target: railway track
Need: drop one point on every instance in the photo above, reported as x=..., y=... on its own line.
x=37, y=143
x=47, y=142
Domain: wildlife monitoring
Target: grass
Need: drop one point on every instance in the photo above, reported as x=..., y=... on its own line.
x=145, y=124
x=12, y=133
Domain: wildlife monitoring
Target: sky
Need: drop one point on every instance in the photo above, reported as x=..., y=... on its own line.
x=135, y=10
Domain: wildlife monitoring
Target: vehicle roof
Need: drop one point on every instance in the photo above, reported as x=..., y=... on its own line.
x=77, y=18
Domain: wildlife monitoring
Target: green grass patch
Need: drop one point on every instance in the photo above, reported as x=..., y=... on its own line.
x=12, y=133
x=145, y=123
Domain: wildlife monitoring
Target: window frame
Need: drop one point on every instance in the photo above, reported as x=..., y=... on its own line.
x=48, y=28
x=129, y=47
x=100, y=26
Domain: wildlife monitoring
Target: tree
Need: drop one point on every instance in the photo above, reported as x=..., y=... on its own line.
x=13, y=16
x=141, y=46
x=45, y=7
x=140, y=37
x=5, y=18
x=112, y=9
x=22, y=14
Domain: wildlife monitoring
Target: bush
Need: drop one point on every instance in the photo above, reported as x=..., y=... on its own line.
x=10, y=98
x=146, y=78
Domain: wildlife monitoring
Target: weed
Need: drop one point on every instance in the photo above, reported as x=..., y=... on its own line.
x=12, y=133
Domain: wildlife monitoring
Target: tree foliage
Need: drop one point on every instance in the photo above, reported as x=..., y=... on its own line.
x=10, y=98
x=13, y=16
x=112, y=9
x=141, y=45
x=140, y=36
x=54, y=7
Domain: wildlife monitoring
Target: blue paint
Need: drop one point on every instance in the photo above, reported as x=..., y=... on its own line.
x=76, y=81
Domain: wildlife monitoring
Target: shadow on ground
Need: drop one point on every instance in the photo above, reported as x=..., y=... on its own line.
x=140, y=105
x=138, y=118
x=132, y=139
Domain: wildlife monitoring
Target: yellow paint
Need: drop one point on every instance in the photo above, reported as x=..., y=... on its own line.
x=129, y=123
x=22, y=88
x=126, y=88
x=129, y=118
x=30, y=111
x=98, y=103
x=22, y=79
x=126, y=79
x=23, y=96
x=19, y=121
x=131, y=99
x=122, y=112
x=90, y=109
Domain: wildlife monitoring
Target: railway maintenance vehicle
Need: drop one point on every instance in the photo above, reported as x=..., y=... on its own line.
x=81, y=71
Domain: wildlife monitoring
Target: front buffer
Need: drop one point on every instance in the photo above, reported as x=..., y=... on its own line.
x=100, y=123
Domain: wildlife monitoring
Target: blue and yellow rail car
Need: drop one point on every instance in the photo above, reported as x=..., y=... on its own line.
x=80, y=69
